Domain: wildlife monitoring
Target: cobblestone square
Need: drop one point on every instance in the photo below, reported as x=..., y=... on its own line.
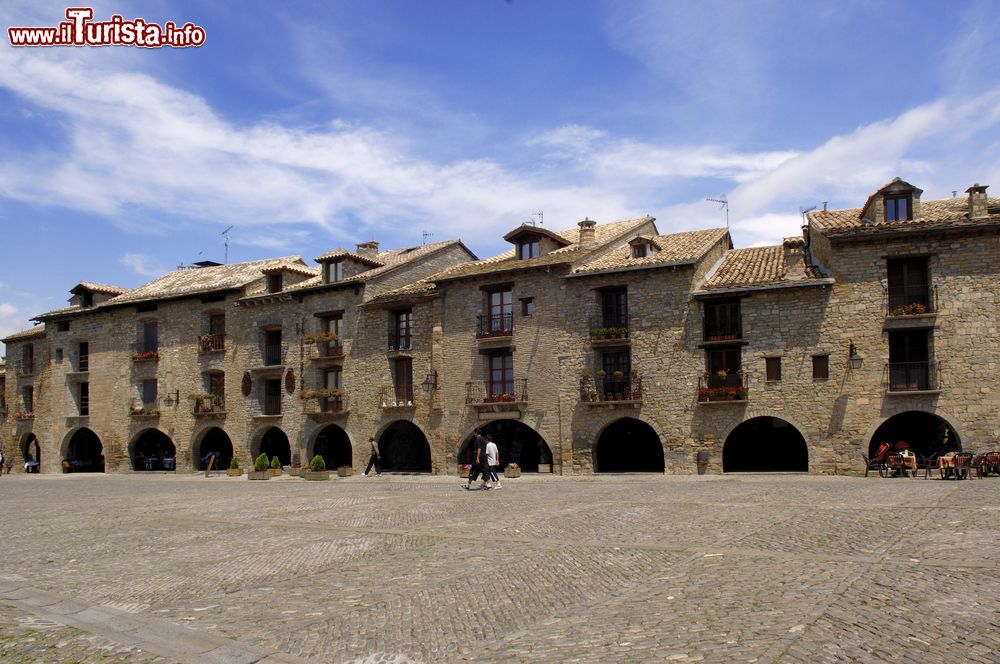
x=734, y=568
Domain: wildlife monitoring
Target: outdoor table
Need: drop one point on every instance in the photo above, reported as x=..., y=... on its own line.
x=168, y=463
x=151, y=462
x=946, y=464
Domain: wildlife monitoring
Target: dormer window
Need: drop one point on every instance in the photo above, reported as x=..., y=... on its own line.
x=898, y=207
x=86, y=299
x=529, y=247
x=274, y=283
x=640, y=250
x=333, y=272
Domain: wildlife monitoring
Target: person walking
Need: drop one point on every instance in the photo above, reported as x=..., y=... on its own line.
x=479, y=465
x=1, y=460
x=493, y=460
x=373, y=459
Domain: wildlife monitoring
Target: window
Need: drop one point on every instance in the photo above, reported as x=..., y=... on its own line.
x=500, y=311
x=83, y=357
x=723, y=366
x=149, y=392
x=59, y=355
x=617, y=368
x=529, y=247
x=274, y=283
x=333, y=272
x=84, y=399
x=87, y=299
x=614, y=308
x=216, y=383
x=722, y=320
x=400, y=336
x=272, y=397
x=28, y=360
x=772, y=369
x=28, y=398
x=527, y=306
x=898, y=207
x=62, y=326
x=272, y=347
x=331, y=324
x=501, y=374
x=821, y=367
x=402, y=380
x=216, y=337
x=909, y=360
x=332, y=380
x=908, y=286
x=150, y=337
x=639, y=250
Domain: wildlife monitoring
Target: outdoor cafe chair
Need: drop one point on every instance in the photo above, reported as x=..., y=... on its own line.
x=871, y=464
x=894, y=466
x=926, y=463
x=963, y=465
x=987, y=464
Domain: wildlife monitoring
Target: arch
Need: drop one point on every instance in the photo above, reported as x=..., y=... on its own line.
x=213, y=440
x=85, y=452
x=31, y=453
x=628, y=445
x=926, y=434
x=517, y=443
x=152, y=449
x=274, y=443
x=334, y=445
x=404, y=448
x=765, y=444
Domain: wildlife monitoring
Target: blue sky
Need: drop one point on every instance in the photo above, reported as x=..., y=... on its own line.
x=312, y=125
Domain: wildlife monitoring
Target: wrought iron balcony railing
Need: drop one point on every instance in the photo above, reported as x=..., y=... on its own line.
x=911, y=376
x=481, y=391
x=212, y=405
x=142, y=408
x=396, y=396
x=208, y=343
x=732, y=386
x=610, y=388
x=272, y=355
x=609, y=328
x=494, y=325
x=143, y=352
x=910, y=301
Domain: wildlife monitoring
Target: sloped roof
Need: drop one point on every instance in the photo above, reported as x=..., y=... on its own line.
x=903, y=185
x=418, y=288
x=674, y=249
x=105, y=289
x=761, y=267
x=384, y=262
x=527, y=229
x=294, y=268
x=603, y=234
x=934, y=214
x=340, y=252
x=37, y=331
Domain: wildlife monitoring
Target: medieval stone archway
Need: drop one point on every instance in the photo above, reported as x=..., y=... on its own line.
x=628, y=445
x=763, y=445
x=31, y=453
x=517, y=442
x=273, y=443
x=925, y=434
x=404, y=448
x=152, y=450
x=334, y=445
x=84, y=452
x=213, y=441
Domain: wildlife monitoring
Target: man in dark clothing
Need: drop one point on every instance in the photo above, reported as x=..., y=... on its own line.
x=479, y=463
x=373, y=459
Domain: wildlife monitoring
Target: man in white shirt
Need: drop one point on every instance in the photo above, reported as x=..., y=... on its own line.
x=493, y=459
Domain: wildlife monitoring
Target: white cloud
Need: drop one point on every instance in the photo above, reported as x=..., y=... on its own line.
x=142, y=265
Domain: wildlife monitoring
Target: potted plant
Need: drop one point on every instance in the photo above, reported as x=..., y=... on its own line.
x=344, y=471
x=275, y=466
x=260, y=468
x=234, y=469
x=545, y=460
x=317, y=469
x=512, y=470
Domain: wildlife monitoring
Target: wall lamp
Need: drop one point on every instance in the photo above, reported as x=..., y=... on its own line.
x=172, y=399
x=431, y=382
x=854, y=360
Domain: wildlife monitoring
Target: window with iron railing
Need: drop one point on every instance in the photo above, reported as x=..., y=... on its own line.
x=272, y=398
x=908, y=286
x=911, y=376
x=272, y=347
x=722, y=321
x=499, y=319
x=401, y=331
x=84, y=399
x=83, y=357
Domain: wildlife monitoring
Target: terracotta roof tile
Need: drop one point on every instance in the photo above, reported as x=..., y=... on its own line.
x=676, y=248
x=106, y=289
x=37, y=331
x=934, y=214
x=340, y=252
x=761, y=266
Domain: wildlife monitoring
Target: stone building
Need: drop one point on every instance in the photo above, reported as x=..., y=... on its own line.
x=607, y=347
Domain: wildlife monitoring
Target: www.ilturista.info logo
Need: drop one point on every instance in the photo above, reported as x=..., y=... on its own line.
x=80, y=30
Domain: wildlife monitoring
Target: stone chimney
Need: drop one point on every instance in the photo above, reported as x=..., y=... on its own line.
x=587, y=233
x=977, y=201
x=793, y=249
x=369, y=248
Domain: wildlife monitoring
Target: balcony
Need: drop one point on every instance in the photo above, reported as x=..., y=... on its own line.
x=270, y=406
x=24, y=369
x=731, y=387
x=399, y=343
x=272, y=355
x=211, y=343
x=911, y=378
x=485, y=398
x=612, y=391
x=910, y=301
x=209, y=405
x=722, y=331
x=24, y=415
x=140, y=409
x=144, y=353
x=396, y=396
x=609, y=332
x=495, y=326
x=327, y=404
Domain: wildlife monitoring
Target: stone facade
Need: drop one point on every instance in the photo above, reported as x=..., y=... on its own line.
x=592, y=345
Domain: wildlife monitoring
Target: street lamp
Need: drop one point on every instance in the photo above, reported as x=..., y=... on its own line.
x=853, y=359
x=431, y=382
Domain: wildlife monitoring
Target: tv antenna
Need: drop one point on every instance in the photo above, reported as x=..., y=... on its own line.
x=541, y=217
x=804, y=211
x=724, y=204
x=225, y=234
x=426, y=235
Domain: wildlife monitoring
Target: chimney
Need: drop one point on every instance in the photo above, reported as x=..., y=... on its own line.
x=587, y=239
x=977, y=201
x=369, y=248
x=793, y=249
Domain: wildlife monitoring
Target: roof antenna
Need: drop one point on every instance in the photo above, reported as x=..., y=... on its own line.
x=426, y=235
x=541, y=218
x=804, y=211
x=225, y=234
x=725, y=204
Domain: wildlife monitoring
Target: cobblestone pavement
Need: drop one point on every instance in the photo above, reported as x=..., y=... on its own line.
x=399, y=569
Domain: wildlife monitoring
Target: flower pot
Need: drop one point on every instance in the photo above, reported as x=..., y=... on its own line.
x=234, y=472
x=259, y=475
x=316, y=475
x=545, y=467
x=276, y=472
x=511, y=472
x=345, y=472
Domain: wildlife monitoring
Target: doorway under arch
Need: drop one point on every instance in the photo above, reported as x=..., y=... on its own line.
x=213, y=441
x=628, y=445
x=274, y=443
x=334, y=446
x=85, y=452
x=153, y=450
x=926, y=434
x=404, y=448
x=765, y=445
x=31, y=453
x=517, y=442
